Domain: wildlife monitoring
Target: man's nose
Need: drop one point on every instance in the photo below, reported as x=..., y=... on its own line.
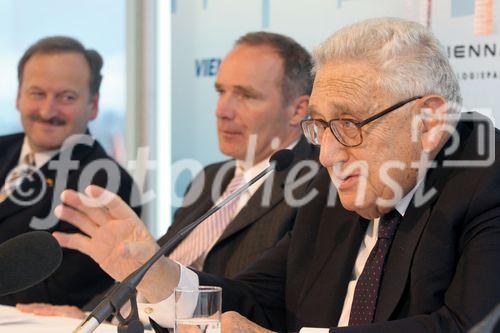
x=48, y=107
x=226, y=106
x=332, y=151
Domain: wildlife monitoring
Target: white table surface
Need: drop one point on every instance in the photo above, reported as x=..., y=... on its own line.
x=12, y=320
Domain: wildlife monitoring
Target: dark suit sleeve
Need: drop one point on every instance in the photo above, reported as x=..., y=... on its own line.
x=258, y=292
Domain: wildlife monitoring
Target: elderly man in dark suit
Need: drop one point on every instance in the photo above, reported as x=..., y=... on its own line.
x=58, y=95
x=410, y=243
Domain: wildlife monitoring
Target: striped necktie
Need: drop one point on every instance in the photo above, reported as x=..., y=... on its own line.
x=199, y=242
x=17, y=175
x=365, y=297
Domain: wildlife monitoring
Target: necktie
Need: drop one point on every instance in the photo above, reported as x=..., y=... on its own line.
x=16, y=176
x=365, y=295
x=204, y=236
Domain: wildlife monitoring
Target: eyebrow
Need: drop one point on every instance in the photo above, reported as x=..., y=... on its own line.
x=65, y=91
x=333, y=106
x=242, y=89
x=33, y=87
x=313, y=112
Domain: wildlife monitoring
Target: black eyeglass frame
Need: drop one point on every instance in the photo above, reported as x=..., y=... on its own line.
x=356, y=123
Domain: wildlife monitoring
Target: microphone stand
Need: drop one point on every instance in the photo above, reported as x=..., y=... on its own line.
x=126, y=290
x=487, y=325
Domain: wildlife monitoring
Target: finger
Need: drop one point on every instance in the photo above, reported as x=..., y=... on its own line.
x=28, y=308
x=76, y=218
x=76, y=242
x=60, y=311
x=183, y=328
x=46, y=311
x=91, y=207
x=116, y=207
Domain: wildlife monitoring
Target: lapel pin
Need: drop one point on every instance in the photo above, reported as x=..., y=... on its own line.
x=50, y=182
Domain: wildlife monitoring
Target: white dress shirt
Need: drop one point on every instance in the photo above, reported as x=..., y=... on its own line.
x=159, y=312
x=40, y=158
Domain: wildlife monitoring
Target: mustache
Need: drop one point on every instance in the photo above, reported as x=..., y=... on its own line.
x=51, y=121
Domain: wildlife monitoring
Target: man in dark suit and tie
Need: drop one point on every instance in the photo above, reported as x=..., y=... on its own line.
x=58, y=95
x=264, y=85
x=411, y=239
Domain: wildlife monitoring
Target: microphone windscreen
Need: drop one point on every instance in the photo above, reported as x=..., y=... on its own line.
x=282, y=159
x=27, y=259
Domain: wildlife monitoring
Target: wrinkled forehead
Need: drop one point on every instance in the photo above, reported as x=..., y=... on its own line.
x=346, y=86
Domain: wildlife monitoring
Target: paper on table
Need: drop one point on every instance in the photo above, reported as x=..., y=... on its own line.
x=12, y=320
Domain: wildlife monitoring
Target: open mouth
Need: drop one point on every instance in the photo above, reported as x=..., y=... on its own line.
x=345, y=182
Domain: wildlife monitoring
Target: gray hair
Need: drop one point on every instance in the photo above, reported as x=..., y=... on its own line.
x=410, y=59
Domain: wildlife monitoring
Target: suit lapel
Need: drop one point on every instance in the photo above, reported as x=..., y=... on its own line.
x=43, y=176
x=339, y=237
x=11, y=156
x=254, y=208
x=202, y=205
x=258, y=205
x=10, y=207
x=398, y=264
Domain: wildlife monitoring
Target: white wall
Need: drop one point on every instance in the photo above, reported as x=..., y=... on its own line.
x=206, y=29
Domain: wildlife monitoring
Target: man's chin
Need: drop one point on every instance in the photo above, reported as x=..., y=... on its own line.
x=232, y=152
x=45, y=145
x=351, y=203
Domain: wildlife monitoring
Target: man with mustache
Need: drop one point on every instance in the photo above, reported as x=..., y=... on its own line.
x=263, y=85
x=58, y=94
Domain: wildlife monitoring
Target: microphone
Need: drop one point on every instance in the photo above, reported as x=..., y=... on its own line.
x=125, y=290
x=489, y=323
x=26, y=260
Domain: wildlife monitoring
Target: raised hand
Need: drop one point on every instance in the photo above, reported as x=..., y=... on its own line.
x=115, y=238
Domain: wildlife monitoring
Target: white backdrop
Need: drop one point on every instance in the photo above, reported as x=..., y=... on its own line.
x=203, y=31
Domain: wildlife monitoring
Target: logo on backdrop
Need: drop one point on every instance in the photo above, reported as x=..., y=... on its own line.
x=207, y=67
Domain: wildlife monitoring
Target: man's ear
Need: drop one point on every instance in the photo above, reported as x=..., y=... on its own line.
x=18, y=97
x=94, y=101
x=434, y=120
x=299, y=109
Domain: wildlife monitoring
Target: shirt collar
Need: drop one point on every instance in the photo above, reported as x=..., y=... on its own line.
x=40, y=158
x=402, y=205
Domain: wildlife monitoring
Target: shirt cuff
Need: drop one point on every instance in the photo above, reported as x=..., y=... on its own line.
x=314, y=330
x=164, y=312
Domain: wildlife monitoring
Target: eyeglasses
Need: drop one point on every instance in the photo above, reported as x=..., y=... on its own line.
x=346, y=131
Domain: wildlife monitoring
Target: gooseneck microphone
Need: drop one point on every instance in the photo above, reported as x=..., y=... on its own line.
x=489, y=323
x=26, y=260
x=125, y=290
